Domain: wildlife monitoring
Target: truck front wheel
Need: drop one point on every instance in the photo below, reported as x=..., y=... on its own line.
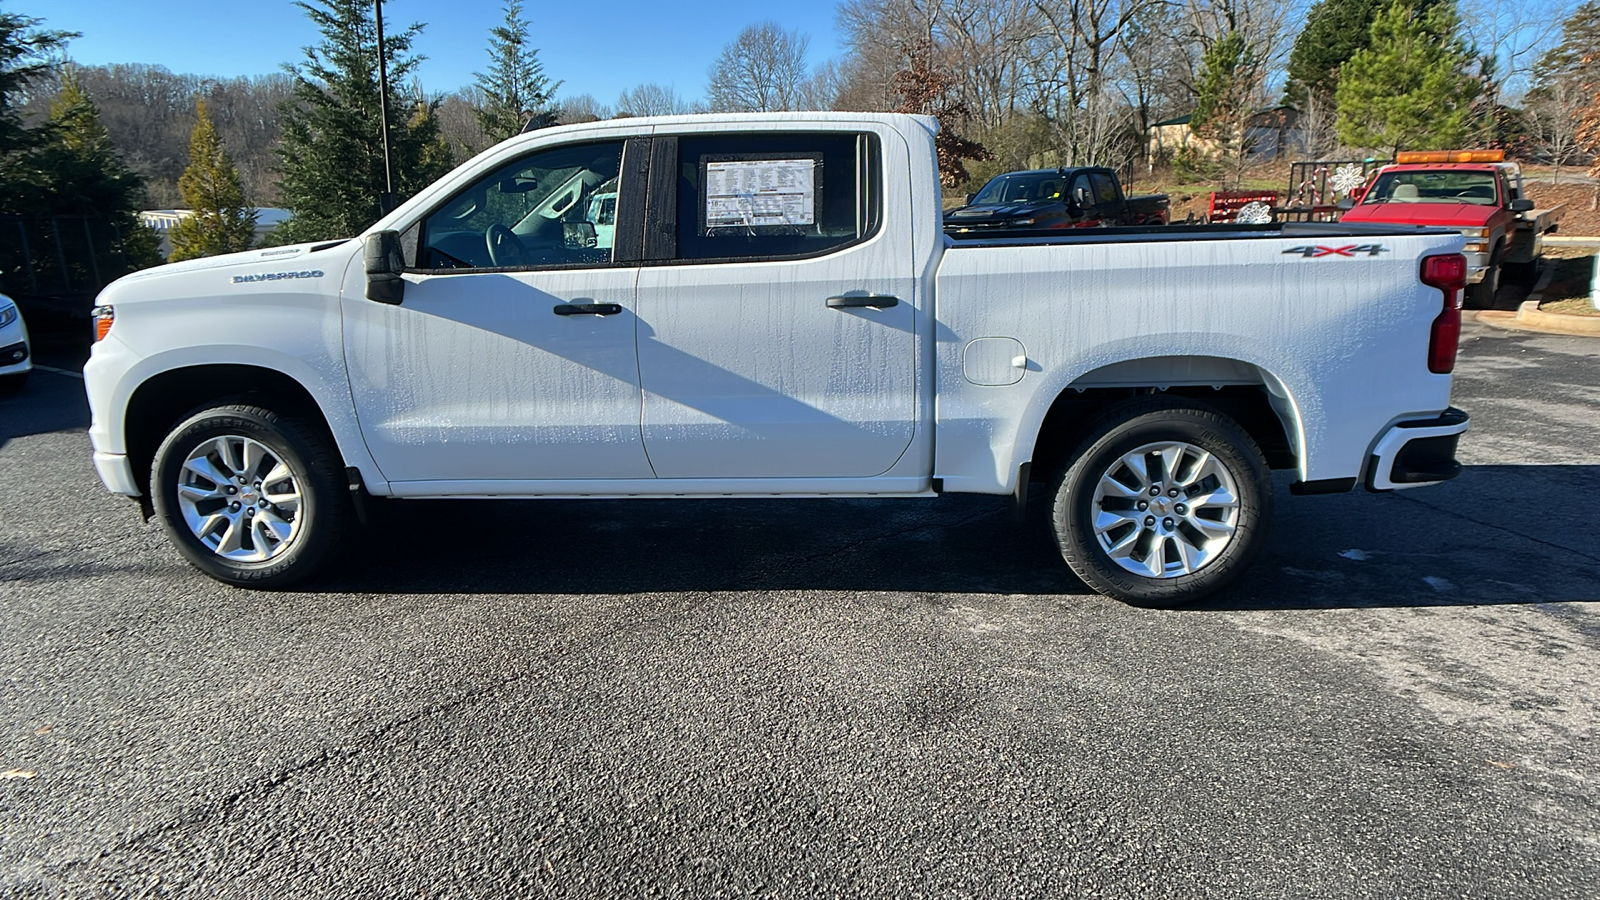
x=1481, y=295
x=249, y=497
x=1164, y=503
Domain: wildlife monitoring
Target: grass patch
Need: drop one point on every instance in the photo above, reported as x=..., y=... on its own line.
x=1576, y=306
x=1570, y=282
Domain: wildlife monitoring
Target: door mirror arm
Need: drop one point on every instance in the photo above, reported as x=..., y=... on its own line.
x=385, y=262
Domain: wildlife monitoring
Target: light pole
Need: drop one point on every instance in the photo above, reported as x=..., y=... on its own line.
x=386, y=199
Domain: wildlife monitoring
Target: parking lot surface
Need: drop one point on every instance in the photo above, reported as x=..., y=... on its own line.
x=810, y=698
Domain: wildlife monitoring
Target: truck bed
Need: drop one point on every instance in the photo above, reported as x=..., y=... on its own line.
x=1329, y=319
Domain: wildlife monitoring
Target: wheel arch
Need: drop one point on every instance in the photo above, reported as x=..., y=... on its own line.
x=1245, y=392
x=164, y=399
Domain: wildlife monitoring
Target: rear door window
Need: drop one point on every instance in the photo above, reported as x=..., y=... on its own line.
x=781, y=195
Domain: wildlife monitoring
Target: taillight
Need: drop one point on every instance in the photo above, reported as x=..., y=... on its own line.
x=1448, y=273
x=103, y=317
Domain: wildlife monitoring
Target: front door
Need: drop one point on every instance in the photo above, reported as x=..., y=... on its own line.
x=777, y=333
x=511, y=356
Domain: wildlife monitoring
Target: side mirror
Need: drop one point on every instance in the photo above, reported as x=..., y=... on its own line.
x=1346, y=203
x=1521, y=205
x=385, y=262
x=970, y=198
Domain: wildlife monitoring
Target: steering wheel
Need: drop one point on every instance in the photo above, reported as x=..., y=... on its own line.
x=505, y=248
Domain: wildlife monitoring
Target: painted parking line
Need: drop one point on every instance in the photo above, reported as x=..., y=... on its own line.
x=67, y=372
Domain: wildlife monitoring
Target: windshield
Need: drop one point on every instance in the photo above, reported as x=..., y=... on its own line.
x=1021, y=188
x=1433, y=187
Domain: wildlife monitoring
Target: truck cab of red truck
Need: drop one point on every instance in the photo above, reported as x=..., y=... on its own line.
x=1475, y=192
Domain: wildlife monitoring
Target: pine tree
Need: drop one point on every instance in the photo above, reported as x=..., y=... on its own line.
x=1335, y=30
x=26, y=54
x=1576, y=59
x=84, y=175
x=515, y=89
x=221, y=222
x=331, y=155
x=1225, y=94
x=1411, y=89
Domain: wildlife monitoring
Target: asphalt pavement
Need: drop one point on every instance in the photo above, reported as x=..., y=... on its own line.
x=817, y=698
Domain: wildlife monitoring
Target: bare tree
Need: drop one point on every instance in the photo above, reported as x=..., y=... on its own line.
x=460, y=125
x=877, y=35
x=1082, y=37
x=582, y=108
x=149, y=113
x=987, y=46
x=651, y=100
x=761, y=70
x=822, y=89
x=1509, y=36
x=1553, y=117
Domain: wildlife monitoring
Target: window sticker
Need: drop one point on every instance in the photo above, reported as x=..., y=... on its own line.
x=756, y=193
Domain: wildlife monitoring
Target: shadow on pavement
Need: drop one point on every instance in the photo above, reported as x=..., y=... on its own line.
x=50, y=402
x=1440, y=546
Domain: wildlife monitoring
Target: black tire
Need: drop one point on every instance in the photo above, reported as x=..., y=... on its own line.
x=1116, y=436
x=319, y=522
x=1481, y=295
x=1520, y=273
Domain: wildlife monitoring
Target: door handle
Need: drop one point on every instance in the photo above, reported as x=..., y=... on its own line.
x=588, y=309
x=876, y=301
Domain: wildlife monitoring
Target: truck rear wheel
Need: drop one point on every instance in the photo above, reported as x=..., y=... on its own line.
x=1164, y=503
x=249, y=497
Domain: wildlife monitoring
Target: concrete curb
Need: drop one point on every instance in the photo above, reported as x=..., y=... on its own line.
x=1529, y=318
x=1564, y=239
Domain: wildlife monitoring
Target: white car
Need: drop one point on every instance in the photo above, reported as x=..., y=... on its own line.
x=16, y=358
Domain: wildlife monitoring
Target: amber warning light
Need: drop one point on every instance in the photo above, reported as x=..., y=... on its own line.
x=103, y=317
x=1449, y=156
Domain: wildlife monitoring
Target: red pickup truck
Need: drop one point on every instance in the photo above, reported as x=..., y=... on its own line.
x=1475, y=192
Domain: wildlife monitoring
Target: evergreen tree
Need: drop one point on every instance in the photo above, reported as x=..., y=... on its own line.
x=84, y=176
x=1576, y=60
x=331, y=155
x=515, y=89
x=1226, y=97
x=26, y=58
x=1411, y=88
x=1225, y=91
x=1335, y=30
x=222, y=222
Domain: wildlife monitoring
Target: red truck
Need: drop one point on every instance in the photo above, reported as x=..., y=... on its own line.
x=1475, y=192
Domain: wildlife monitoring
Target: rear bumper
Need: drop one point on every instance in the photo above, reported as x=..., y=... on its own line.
x=1418, y=452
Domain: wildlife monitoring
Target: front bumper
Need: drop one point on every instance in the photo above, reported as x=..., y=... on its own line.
x=116, y=473
x=1477, y=266
x=1418, y=452
x=15, y=358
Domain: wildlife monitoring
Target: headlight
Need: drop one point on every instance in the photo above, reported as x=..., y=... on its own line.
x=1474, y=232
x=8, y=314
x=1022, y=221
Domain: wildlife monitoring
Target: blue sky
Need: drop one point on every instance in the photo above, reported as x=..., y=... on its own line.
x=599, y=48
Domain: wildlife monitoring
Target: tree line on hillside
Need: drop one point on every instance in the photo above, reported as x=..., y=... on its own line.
x=1015, y=82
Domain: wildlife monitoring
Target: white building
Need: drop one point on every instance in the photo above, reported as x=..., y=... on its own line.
x=163, y=220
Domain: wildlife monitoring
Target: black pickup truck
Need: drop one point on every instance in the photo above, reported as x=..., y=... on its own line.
x=1079, y=197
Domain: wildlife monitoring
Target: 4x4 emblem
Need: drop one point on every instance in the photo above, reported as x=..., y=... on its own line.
x=1351, y=250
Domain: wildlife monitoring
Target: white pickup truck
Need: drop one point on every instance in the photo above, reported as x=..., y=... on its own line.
x=767, y=306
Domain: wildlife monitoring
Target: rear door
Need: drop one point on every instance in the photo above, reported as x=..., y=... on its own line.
x=777, y=331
